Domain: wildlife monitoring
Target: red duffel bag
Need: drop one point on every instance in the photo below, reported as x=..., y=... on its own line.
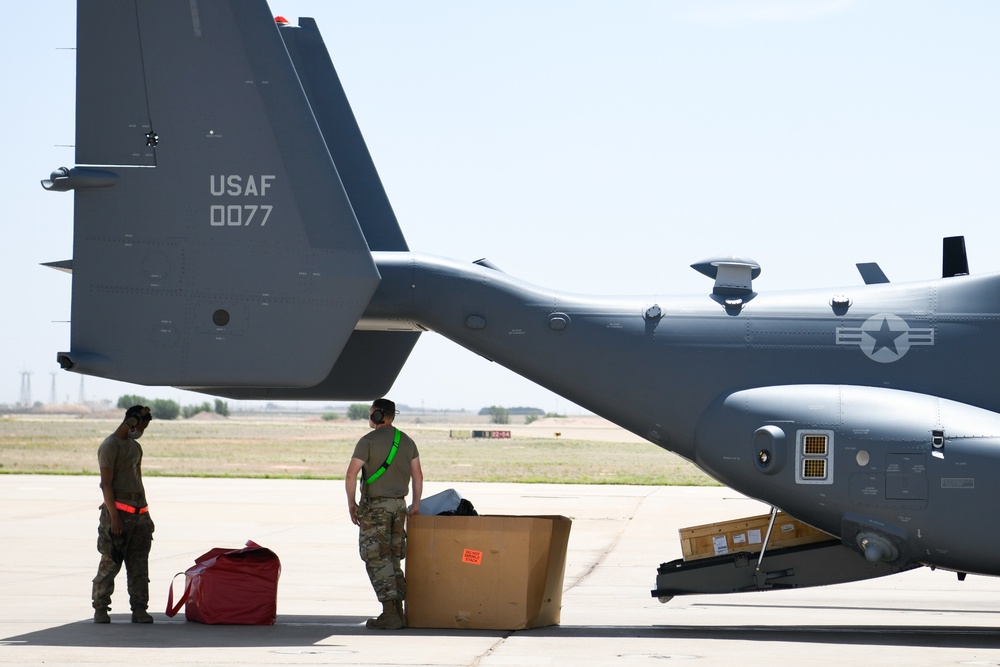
x=230, y=586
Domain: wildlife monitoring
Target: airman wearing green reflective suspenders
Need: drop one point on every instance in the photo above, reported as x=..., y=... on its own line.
x=388, y=462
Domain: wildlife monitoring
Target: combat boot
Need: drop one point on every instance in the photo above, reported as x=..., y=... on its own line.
x=141, y=616
x=387, y=620
x=101, y=615
x=399, y=612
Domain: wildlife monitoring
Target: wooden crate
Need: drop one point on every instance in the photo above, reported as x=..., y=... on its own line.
x=716, y=539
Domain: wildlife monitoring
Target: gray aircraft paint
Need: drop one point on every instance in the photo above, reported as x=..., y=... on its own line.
x=225, y=196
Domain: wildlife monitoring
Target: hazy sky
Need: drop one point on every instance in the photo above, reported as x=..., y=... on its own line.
x=597, y=147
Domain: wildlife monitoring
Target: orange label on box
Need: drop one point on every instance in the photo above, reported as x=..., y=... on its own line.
x=474, y=557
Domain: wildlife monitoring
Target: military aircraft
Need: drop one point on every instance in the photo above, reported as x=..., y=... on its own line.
x=224, y=195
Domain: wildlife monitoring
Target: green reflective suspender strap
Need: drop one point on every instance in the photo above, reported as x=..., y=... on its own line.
x=388, y=460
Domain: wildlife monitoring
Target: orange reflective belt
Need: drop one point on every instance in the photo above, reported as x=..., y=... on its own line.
x=131, y=510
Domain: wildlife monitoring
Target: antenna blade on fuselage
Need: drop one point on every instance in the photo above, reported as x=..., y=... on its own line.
x=954, y=260
x=872, y=273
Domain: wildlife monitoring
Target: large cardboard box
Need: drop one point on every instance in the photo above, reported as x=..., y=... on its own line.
x=485, y=572
x=716, y=539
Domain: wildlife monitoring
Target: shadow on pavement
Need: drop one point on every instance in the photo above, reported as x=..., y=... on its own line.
x=178, y=633
x=312, y=630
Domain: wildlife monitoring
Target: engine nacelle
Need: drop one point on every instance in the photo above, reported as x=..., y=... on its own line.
x=898, y=476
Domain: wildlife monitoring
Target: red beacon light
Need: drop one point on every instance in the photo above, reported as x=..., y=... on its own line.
x=281, y=20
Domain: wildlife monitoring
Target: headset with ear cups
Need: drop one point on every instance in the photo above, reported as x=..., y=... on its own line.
x=140, y=414
x=378, y=416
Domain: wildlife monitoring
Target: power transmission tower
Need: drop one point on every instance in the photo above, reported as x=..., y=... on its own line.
x=25, y=389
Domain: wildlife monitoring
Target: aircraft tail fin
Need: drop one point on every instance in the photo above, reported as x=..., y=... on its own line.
x=354, y=375
x=342, y=135
x=211, y=222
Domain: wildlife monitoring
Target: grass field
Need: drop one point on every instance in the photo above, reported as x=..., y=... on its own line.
x=310, y=447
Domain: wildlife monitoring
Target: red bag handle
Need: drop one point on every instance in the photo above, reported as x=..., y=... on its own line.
x=171, y=609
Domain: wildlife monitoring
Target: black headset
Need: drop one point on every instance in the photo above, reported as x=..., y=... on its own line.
x=142, y=414
x=378, y=416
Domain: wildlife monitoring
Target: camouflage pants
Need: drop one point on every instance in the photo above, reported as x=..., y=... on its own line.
x=382, y=543
x=131, y=548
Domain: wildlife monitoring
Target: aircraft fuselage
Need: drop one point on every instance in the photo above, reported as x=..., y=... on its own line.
x=890, y=385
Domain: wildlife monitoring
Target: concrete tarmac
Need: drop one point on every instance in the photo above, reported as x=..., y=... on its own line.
x=620, y=535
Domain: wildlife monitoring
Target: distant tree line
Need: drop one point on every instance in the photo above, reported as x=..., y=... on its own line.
x=538, y=412
x=497, y=414
x=357, y=411
x=168, y=409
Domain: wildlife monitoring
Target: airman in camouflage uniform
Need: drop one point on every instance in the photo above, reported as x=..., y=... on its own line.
x=125, y=529
x=382, y=513
x=382, y=545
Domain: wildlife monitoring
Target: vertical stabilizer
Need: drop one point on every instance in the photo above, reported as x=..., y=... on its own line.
x=343, y=136
x=227, y=230
x=371, y=360
x=112, y=111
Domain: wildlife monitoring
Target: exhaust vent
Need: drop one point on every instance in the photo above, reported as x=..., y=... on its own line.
x=814, y=469
x=814, y=457
x=814, y=445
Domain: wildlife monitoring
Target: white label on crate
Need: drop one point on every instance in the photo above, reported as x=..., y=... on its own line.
x=754, y=535
x=720, y=544
x=740, y=538
x=788, y=527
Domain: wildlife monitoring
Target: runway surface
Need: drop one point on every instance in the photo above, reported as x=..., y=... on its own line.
x=620, y=535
